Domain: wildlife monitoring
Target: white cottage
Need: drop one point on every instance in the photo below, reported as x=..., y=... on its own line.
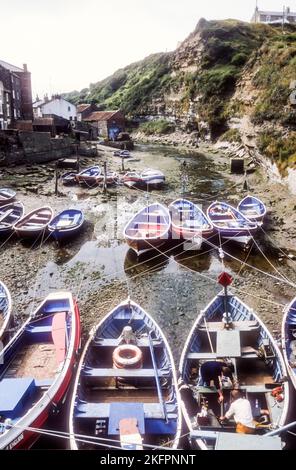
x=57, y=106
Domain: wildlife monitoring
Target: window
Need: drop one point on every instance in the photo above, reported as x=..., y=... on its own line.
x=69, y=108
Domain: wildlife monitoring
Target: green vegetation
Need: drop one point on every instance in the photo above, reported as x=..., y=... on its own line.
x=232, y=135
x=278, y=148
x=159, y=127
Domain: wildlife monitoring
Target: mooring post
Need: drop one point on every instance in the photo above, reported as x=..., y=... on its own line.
x=77, y=159
x=105, y=177
x=56, y=191
x=122, y=163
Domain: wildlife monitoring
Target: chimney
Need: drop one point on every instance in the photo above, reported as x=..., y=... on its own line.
x=25, y=68
x=46, y=98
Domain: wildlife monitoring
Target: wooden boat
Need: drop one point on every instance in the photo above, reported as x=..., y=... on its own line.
x=35, y=223
x=89, y=176
x=189, y=222
x=5, y=311
x=289, y=340
x=253, y=209
x=126, y=379
x=125, y=154
x=111, y=178
x=36, y=369
x=149, y=228
x=132, y=179
x=69, y=178
x=230, y=223
x=6, y=196
x=228, y=328
x=152, y=178
x=9, y=216
x=66, y=224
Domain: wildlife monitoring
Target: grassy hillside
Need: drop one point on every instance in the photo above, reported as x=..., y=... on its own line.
x=197, y=82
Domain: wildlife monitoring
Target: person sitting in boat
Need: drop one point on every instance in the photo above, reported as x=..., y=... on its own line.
x=215, y=371
x=127, y=336
x=241, y=410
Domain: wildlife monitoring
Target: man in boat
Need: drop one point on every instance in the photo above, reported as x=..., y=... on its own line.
x=215, y=371
x=241, y=410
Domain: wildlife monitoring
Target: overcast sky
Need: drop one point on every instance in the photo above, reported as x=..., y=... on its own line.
x=68, y=44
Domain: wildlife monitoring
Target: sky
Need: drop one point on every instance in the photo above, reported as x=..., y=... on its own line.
x=69, y=44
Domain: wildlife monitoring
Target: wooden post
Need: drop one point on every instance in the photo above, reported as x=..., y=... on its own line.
x=77, y=158
x=105, y=178
x=56, y=191
x=122, y=163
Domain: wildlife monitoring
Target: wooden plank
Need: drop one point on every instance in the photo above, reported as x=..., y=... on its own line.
x=228, y=343
x=59, y=335
x=125, y=373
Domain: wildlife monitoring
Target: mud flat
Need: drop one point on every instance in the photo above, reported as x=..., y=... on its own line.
x=100, y=270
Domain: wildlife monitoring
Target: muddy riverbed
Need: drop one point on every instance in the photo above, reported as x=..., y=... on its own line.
x=101, y=271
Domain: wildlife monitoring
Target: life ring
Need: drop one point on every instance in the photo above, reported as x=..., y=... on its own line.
x=127, y=356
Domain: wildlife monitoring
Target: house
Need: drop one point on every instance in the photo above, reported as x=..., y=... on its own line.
x=84, y=110
x=57, y=106
x=108, y=123
x=15, y=94
x=274, y=17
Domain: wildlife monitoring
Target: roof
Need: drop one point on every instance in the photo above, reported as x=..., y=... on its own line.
x=82, y=107
x=10, y=67
x=37, y=104
x=101, y=116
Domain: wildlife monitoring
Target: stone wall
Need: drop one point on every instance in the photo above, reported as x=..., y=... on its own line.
x=32, y=147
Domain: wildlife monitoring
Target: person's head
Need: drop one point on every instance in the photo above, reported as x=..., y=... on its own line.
x=227, y=372
x=236, y=394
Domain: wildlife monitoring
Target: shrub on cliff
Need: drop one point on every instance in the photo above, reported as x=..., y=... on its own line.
x=159, y=127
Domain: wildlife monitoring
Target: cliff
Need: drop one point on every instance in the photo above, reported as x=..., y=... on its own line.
x=228, y=78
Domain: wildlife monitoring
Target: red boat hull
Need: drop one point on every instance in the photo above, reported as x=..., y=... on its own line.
x=26, y=439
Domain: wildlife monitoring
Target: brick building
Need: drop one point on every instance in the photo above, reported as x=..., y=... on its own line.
x=108, y=123
x=15, y=94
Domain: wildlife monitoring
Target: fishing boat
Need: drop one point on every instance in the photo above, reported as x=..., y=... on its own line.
x=36, y=369
x=152, y=178
x=6, y=196
x=230, y=223
x=125, y=389
x=228, y=330
x=132, y=179
x=253, y=209
x=5, y=311
x=69, y=178
x=89, y=176
x=116, y=153
x=125, y=154
x=66, y=224
x=289, y=340
x=189, y=222
x=35, y=223
x=148, y=229
x=9, y=216
x=110, y=178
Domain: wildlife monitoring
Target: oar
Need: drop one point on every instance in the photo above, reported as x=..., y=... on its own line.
x=160, y=397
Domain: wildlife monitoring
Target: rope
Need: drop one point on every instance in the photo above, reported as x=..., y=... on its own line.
x=99, y=441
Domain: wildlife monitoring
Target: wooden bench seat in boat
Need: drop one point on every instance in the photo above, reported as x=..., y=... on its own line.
x=124, y=373
x=114, y=342
x=14, y=395
x=237, y=325
x=195, y=356
x=102, y=410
